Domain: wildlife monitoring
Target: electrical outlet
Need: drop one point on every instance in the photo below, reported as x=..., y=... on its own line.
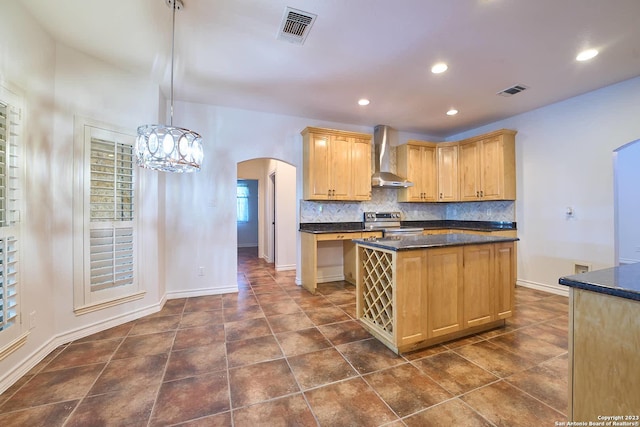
x=200, y=271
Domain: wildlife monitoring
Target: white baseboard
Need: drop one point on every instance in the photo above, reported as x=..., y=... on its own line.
x=285, y=267
x=46, y=348
x=330, y=278
x=202, y=292
x=247, y=245
x=553, y=289
x=625, y=261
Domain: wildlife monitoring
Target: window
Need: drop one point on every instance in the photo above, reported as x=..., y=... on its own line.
x=105, y=245
x=243, y=202
x=11, y=330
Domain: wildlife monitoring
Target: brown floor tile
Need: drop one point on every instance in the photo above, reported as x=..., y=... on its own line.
x=218, y=420
x=313, y=302
x=253, y=350
x=145, y=345
x=530, y=348
x=14, y=388
x=196, y=361
x=199, y=336
x=406, y=389
x=204, y=303
x=289, y=322
x=240, y=299
x=152, y=325
x=54, y=386
x=191, y=398
x=320, y=368
x=325, y=315
x=109, y=334
x=561, y=323
x=548, y=334
x=201, y=318
x=286, y=411
x=350, y=309
x=276, y=308
x=523, y=295
x=451, y=413
x=86, y=353
x=342, y=298
x=552, y=305
x=348, y=403
x=547, y=382
x=245, y=329
x=302, y=341
x=495, y=359
x=130, y=407
x=172, y=307
x=45, y=415
x=344, y=332
x=123, y=374
x=47, y=359
x=461, y=342
x=263, y=381
x=527, y=314
x=497, y=331
x=454, y=373
x=369, y=355
x=505, y=405
x=266, y=288
x=425, y=352
x=242, y=313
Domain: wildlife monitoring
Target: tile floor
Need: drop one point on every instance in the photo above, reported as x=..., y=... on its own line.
x=275, y=355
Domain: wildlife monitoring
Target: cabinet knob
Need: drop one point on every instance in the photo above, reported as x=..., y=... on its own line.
x=477, y=194
x=441, y=195
x=481, y=193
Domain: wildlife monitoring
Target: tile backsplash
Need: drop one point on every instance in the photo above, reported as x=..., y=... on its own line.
x=385, y=200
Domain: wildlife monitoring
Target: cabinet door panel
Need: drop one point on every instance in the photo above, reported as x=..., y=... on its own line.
x=448, y=182
x=468, y=170
x=361, y=161
x=478, y=285
x=319, y=166
x=504, y=278
x=429, y=174
x=411, y=297
x=414, y=173
x=492, y=176
x=340, y=167
x=444, y=290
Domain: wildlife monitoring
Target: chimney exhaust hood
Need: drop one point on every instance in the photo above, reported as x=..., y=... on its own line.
x=382, y=176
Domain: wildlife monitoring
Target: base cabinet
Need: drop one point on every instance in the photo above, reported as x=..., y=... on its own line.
x=417, y=298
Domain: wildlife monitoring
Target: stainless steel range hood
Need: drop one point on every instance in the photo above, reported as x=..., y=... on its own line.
x=382, y=176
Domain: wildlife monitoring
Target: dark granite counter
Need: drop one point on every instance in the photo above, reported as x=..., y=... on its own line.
x=623, y=281
x=405, y=243
x=336, y=227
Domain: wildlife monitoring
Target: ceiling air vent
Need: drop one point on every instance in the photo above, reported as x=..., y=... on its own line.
x=295, y=25
x=513, y=90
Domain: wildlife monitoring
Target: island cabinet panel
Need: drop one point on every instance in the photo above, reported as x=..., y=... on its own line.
x=504, y=279
x=411, y=297
x=478, y=285
x=444, y=290
x=336, y=165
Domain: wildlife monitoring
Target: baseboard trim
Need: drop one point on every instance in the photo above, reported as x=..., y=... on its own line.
x=552, y=289
x=286, y=267
x=46, y=348
x=330, y=278
x=202, y=292
x=247, y=245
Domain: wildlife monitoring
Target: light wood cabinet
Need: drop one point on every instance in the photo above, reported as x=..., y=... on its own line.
x=447, y=170
x=487, y=167
x=417, y=162
x=411, y=321
x=479, y=307
x=336, y=165
x=504, y=279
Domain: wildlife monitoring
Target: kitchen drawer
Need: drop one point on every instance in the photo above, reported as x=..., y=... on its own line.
x=338, y=236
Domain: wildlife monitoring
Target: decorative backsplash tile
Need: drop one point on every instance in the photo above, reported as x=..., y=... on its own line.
x=385, y=200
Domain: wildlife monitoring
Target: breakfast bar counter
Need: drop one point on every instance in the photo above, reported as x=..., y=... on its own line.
x=417, y=291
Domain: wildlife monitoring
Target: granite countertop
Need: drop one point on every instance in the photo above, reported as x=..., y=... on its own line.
x=622, y=281
x=404, y=243
x=336, y=227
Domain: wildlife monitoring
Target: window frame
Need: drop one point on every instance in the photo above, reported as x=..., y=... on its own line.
x=86, y=299
x=242, y=184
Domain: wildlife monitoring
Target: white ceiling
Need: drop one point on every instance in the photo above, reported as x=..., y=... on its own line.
x=227, y=54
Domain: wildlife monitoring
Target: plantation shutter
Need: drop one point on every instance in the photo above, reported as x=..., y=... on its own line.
x=111, y=234
x=10, y=116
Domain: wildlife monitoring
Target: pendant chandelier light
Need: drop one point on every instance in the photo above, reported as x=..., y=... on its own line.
x=169, y=148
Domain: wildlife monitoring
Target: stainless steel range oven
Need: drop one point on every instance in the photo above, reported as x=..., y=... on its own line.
x=389, y=224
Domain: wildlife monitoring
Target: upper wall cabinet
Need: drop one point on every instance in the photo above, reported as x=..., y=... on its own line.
x=417, y=162
x=336, y=165
x=487, y=167
x=448, y=185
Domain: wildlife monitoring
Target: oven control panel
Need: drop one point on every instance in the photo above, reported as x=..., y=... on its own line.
x=381, y=216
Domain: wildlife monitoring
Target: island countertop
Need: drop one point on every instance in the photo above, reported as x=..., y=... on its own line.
x=622, y=281
x=404, y=243
x=339, y=227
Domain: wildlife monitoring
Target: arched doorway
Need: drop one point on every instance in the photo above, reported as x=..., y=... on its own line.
x=276, y=210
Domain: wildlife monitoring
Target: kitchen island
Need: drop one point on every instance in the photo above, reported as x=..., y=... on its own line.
x=604, y=345
x=417, y=291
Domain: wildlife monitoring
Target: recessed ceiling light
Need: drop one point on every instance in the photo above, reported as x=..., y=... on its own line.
x=452, y=112
x=586, y=55
x=438, y=68
x=363, y=101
